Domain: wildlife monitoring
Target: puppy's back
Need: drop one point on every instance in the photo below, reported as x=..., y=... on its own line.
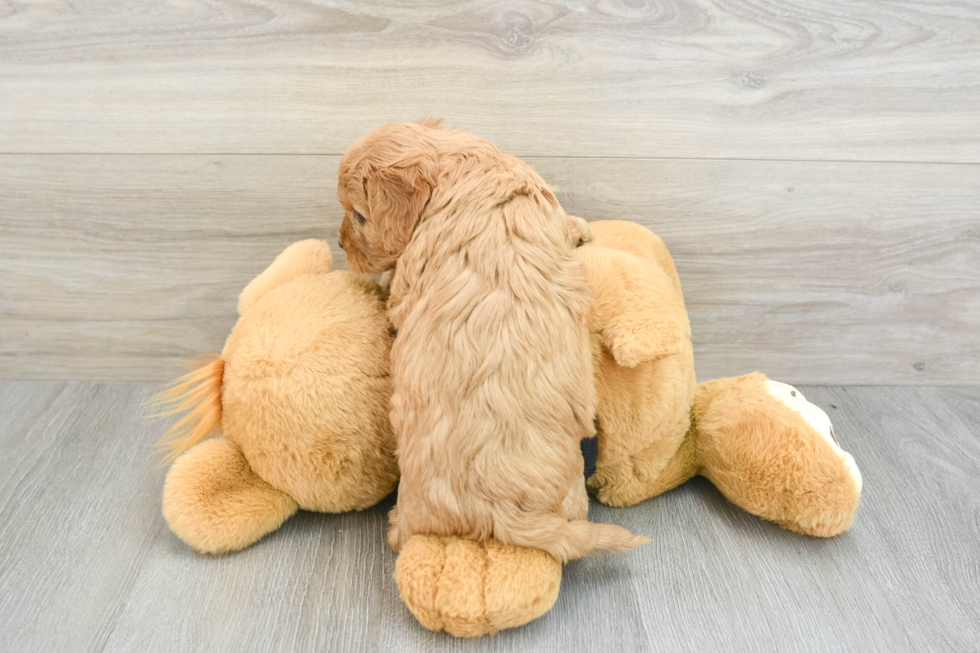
x=493, y=373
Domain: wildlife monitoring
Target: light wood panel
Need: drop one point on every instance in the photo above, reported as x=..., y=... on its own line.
x=115, y=267
x=87, y=561
x=808, y=79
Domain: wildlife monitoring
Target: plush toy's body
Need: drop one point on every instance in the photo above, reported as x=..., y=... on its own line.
x=301, y=394
x=760, y=442
x=305, y=424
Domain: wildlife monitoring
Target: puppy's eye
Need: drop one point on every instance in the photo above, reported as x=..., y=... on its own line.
x=360, y=218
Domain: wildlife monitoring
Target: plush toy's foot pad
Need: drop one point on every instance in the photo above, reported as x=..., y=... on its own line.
x=775, y=454
x=215, y=502
x=818, y=420
x=472, y=588
x=841, y=478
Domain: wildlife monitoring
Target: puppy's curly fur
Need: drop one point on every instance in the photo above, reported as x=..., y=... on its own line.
x=492, y=367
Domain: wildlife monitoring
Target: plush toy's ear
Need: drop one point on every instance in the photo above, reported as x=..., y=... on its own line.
x=578, y=231
x=636, y=306
x=305, y=257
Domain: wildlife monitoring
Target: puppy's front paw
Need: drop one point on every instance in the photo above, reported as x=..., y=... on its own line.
x=472, y=588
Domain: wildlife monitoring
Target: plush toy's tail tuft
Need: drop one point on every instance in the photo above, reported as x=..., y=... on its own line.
x=199, y=392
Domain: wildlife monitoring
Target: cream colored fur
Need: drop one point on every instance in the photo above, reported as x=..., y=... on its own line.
x=492, y=367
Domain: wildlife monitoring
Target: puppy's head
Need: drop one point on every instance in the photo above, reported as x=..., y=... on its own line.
x=385, y=181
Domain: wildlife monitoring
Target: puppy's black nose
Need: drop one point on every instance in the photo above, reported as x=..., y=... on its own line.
x=340, y=243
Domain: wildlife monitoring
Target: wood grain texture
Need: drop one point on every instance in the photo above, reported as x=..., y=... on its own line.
x=87, y=562
x=75, y=520
x=116, y=267
x=813, y=79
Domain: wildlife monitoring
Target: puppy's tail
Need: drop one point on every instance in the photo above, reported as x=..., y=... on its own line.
x=198, y=392
x=563, y=539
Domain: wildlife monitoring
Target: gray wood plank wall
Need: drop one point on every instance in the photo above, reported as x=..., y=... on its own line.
x=864, y=80
x=815, y=167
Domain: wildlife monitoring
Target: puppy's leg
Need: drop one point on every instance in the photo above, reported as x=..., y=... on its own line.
x=396, y=539
x=576, y=503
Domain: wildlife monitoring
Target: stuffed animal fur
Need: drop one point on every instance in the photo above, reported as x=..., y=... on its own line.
x=301, y=395
x=760, y=442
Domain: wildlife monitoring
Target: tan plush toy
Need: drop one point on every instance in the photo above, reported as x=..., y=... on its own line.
x=765, y=447
x=301, y=392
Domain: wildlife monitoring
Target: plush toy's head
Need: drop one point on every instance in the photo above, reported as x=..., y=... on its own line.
x=301, y=388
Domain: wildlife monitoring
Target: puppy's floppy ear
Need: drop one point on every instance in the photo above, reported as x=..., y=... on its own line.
x=396, y=197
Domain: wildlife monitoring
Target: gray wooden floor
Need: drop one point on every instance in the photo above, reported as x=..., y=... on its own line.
x=87, y=562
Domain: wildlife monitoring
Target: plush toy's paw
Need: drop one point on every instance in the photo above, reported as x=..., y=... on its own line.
x=775, y=454
x=631, y=488
x=634, y=340
x=214, y=502
x=637, y=306
x=472, y=588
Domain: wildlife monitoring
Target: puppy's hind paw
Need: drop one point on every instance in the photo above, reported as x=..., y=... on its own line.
x=470, y=589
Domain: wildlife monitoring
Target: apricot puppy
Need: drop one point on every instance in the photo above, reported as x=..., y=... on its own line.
x=492, y=367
